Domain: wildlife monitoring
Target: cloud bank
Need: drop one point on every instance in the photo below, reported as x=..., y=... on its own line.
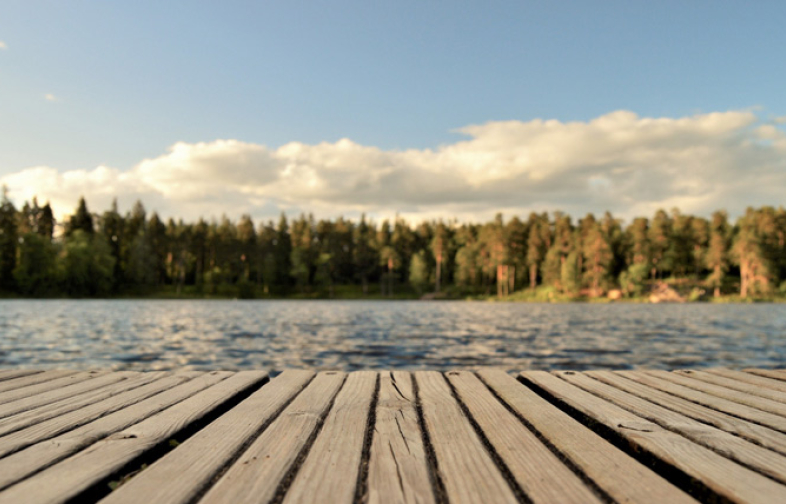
x=620, y=162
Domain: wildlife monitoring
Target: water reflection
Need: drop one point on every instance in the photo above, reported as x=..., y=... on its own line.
x=386, y=335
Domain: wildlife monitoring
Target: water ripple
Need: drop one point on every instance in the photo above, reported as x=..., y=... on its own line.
x=351, y=335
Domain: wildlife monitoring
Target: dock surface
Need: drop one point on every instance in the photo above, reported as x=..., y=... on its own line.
x=710, y=435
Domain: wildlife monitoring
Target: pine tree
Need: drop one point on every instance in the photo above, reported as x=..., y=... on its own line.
x=749, y=254
x=112, y=228
x=8, y=241
x=597, y=254
x=247, y=238
x=364, y=252
x=282, y=246
x=536, y=247
x=717, y=256
x=660, y=234
x=440, y=247
x=81, y=219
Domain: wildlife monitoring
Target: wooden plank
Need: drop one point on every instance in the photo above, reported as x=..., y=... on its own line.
x=10, y=374
x=466, y=469
x=33, y=379
x=759, y=434
x=775, y=374
x=755, y=457
x=255, y=476
x=398, y=468
x=70, y=391
x=749, y=378
x=538, y=471
x=761, y=403
x=733, y=408
x=204, y=454
x=59, y=408
x=333, y=463
x=17, y=440
x=68, y=479
x=719, y=474
x=620, y=476
x=736, y=384
x=62, y=386
x=45, y=453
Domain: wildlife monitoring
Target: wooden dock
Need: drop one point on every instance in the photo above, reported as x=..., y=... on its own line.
x=714, y=435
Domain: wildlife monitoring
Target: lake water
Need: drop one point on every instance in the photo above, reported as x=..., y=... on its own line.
x=349, y=335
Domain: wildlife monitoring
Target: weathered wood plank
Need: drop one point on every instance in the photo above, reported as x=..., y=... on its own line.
x=733, y=408
x=761, y=459
x=398, y=468
x=764, y=436
x=775, y=374
x=255, y=476
x=45, y=453
x=204, y=454
x=752, y=379
x=737, y=384
x=28, y=382
x=35, y=433
x=761, y=403
x=67, y=479
x=467, y=471
x=620, y=476
x=10, y=374
x=70, y=391
x=719, y=474
x=333, y=463
x=542, y=476
x=59, y=408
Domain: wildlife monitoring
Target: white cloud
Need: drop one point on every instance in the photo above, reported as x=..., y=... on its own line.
x=620, y=162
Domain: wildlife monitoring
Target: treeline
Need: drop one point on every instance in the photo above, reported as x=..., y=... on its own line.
x=134, y=254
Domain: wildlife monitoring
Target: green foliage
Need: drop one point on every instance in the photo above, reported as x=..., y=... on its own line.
x=418, y=272
x=85, y=265
x=569, y=274
x=81, y=220
x=36, y=270
x=633, y=279
x=394, y=259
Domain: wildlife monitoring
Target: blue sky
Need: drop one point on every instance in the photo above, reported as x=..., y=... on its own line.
x=126, y=81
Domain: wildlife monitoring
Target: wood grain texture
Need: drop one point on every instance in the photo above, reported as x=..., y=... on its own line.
x=465, y=467
x=398, y=468
x=67, y=479
x=59, y=408
x=759, y=434
x=333, y=463
x=775, y=374
x=719, y=474
x=752, y=379
x=33, y=379
x=540, y=473
x=616, y=473
x=747, y=399
x=733, y=408
x=145, y=401
x=203, y=455
x=64, y=380
x=736, y=384
x=756, y=457
x=256, y=475
x=10, y=374
x=71, y=391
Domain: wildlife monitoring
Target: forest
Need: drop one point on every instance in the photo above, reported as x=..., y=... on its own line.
x=543, y=257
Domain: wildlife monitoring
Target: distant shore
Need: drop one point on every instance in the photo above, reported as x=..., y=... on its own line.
x=540, y=294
